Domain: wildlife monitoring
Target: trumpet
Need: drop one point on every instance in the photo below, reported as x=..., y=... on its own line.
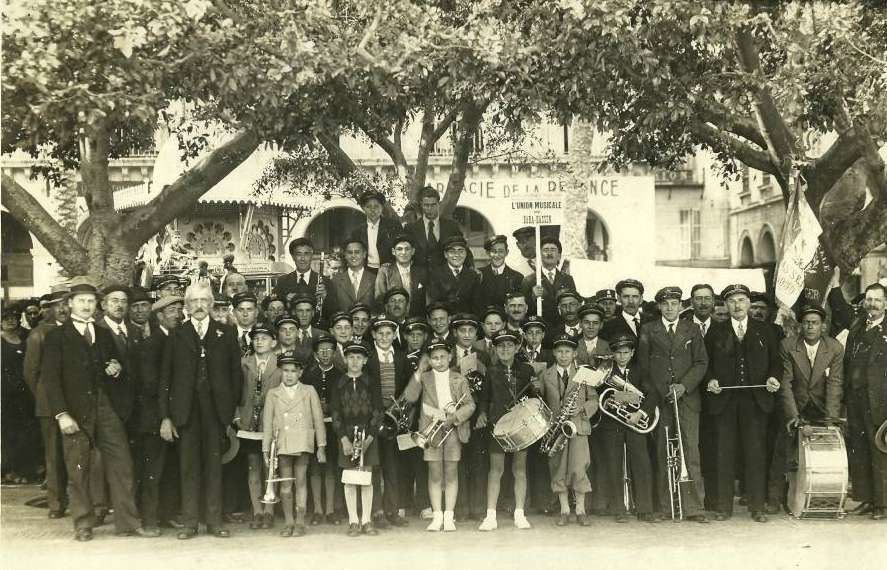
x=436, y=433
x=270, y=497
x=621, y=400
x=357, y=444
x=675, y=464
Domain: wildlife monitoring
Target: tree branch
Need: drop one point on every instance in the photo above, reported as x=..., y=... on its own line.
x=180, y=196
x=717, y=114
x=824, y=172
x=57, y=241
x=472, y=113
x=444, y=124
x=745, y=152
x=872, y=162
x=341, y=161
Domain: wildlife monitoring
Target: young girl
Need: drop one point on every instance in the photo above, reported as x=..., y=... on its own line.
x=260, y=374
x=441, y=390
x=357, y=403
x=294, y=418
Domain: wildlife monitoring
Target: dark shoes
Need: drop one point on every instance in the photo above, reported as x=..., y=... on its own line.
x=772, y=509
x=397, y=520
x=151, y=532
x=564, y=520
x=100, y=518
x=648, y=518
x=698, y=518
x=316, y=519
x=879, y=514
x=186, y=533
x=268, y=520
x=862, y=509
x=759, y=516
x=333, y=519
x=56, y=514
x=287, y=531
x=353, y=529
x=83, y=535
x=218, y=532
x=380, y=521
x=368, y=529
x=721, y=516
x=299, y=530
x=257, y=522
x=622, y=518
x=582, y=519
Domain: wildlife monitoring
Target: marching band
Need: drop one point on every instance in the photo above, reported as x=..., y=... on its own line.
x=410, y=382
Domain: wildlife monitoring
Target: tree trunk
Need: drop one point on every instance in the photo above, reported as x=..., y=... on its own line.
x=463, y=146
x=581, y=167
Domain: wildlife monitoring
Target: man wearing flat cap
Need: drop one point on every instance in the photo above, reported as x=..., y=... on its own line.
x=378, y=231
x=672, y=360
x=497, y=279
x=553, y=281
x=431, y=230
x=79, y=365
x=456, y=282
x=403, y=273
x=812, y=390
x=744, y=357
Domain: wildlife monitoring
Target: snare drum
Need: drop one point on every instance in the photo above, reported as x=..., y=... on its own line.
x=523, y=425
x=819, y=487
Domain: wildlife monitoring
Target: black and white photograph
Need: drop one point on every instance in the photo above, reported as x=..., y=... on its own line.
x=437, y=284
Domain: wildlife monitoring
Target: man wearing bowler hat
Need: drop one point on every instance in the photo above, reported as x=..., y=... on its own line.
x=378, y=231
x=79, y=363
x=744, y=359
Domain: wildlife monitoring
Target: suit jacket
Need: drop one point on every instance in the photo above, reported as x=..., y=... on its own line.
x=822, y=384
x=389, y=278
x=388, y=230
x=423, y=386
x=868, y=372
x=33, y=357
x=495, y=287
x=617, y=326
x=417, y=230
x=402, y=371
x=761, y=352
x=459, y=294
x=549, y=302
x=288, y=286
x=341, y=294
x=73, y=373
x=178, y=378
x=602, y=348
x=587, y=401
x=147, y=365
x=249, y=398
x=123, y=393
x=663, y=360
x=297, y=420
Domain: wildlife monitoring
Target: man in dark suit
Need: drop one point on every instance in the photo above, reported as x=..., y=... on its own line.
x=304, y=281
x=138, y=316
x=553, y=281
x=672, y=361
x=147, y=359
x=115, y=303
x=357, y=284
x=630, y=319
x=378, y=232
x=743, y=353
x=79, y=363
x=497, y=279
x=431, y=230
x=404, y=273
x=811, y=391
x=864, y=369
x=392, y=371
x=455, y=283
x=200, y=386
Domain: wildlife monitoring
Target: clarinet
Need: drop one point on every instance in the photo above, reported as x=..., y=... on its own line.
x=318, y=306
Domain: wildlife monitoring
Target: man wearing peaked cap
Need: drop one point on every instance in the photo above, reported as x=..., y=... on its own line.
x=431, y=230
x=245, y=314
x=742, y=352
x=554, y=280
x=497, y=278
x=166, y=284
x=607, y=299
x=589, y=343
x=672, y=353
x=534, y=351
x=397, y=304
x=456, y=282
x=631, y=318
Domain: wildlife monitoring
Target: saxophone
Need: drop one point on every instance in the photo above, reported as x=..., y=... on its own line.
x=562, y=429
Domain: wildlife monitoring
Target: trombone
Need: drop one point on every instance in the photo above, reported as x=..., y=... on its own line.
x=674, y=461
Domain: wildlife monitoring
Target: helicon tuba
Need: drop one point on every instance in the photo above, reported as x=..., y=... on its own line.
x=621, y=400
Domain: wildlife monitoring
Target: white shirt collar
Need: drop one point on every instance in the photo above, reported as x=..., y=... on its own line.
x=373, y=226
x=497, y=270
x=590, y=344
x=164, y=330
x=455, y=269
x=630, y=318
x=876, y=322
x=196, y=322
x=307, y=275
x=114, y=326
x=706, y=322
x=355, y=272
x=666, y=323
x=735, y=324
x=561, y=370
x=241, y=331
x=382, y=353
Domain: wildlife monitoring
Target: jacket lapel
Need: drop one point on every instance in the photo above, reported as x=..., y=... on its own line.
x=367, y=281
x=799, y=353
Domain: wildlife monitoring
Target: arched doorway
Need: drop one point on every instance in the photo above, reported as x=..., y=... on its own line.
x=746, y=253
x=766, y=248
x=597, y=238
x=333, y=225
x=17, y=261
x=476, y=228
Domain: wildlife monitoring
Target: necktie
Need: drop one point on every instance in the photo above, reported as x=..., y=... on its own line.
x=302, y=279
x=456, y=273
x=533, y=356
x=464, y=352
x=432, y=239
x=262, y=364
x=703, y=328
x=637, y=324
x=244, y=343
x=551, y=277
x=87, y=334
x=740, y=332
x=355, y=283
x=671, y=330
x=121, y=330
x=563, y=376
x=200, y=329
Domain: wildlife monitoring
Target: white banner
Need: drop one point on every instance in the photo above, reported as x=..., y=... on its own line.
x=800, y=240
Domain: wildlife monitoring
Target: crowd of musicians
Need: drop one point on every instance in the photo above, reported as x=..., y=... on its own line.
x=198, y=403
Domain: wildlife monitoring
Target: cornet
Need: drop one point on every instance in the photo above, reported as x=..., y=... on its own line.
x=436, y=433
x=270, y=497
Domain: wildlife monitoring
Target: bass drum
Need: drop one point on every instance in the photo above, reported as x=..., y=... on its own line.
x=523, y=425
x=818, y=488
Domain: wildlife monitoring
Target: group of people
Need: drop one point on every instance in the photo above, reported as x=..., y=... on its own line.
x=179, y=407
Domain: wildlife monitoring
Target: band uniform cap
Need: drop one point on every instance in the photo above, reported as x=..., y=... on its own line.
x=437, y=305
x=534, y=321
x=164, y=280
x=340, y=316
x=811, y=309
x=523, y=231
x=395, y=291
x=244, y=297
x=289, y=357
x=298, y=299
x=759, y=297
x=592, y=309
x=220, y=300
x=606, y=295
x=298, y=242
x=356, y=348
x=488, y=245
x=81, y=285
x=138, y=295
x=461, y=319
x=455, y=241
x=493, y=310
x=629, y=283
x=262, y=328
x=383, y=321
x=622, y=340
x=437, y=344
x=564, y=340
x=371, y=195
x=504, y=336
x=358, y=307
x=414, y=323
x=514, y=295
x=165, y=302
x=737, y=289
x=12, y=312
x=669, y=292
x=400, y=238
x=323, y=337
x=566, y=294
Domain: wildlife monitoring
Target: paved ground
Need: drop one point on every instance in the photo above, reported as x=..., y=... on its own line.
x=28, y=540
